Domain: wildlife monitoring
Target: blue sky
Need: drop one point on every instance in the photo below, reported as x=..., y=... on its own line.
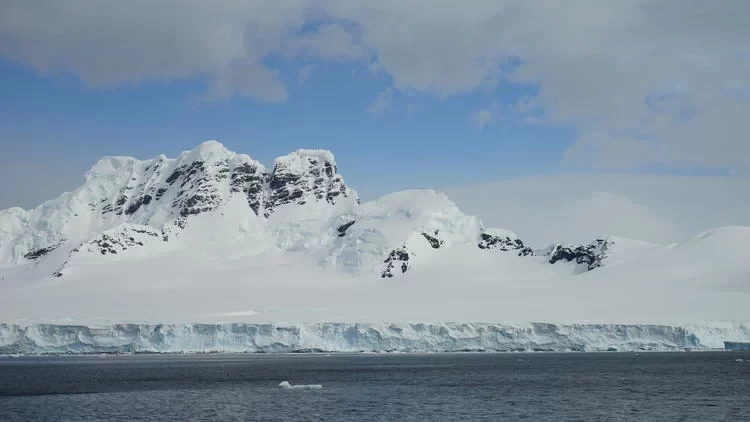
x=405, y=96
x=417, y=142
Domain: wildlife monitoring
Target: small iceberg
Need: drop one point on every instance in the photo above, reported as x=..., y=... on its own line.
x=286, y=386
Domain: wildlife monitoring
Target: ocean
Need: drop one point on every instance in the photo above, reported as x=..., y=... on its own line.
x=646, y=386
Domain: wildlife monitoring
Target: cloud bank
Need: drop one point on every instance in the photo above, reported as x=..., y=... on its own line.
x=643, y=82
x=579, y=208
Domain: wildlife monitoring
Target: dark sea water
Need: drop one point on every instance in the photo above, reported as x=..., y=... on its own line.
x=429, y=387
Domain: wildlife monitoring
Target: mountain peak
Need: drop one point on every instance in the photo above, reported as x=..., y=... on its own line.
x=319, y=154
x=306, y=175
x=207, y=151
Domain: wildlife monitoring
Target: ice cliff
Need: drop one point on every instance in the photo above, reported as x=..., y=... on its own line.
x=350, y=337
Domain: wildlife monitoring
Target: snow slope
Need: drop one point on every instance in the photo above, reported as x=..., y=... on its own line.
x=216, y=237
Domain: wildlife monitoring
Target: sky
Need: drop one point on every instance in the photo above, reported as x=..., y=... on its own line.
x=577, y=208
x=405, y=95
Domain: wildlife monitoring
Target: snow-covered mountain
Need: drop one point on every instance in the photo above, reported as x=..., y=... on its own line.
x=125, y=203
x=213, y=235
x=129, y=208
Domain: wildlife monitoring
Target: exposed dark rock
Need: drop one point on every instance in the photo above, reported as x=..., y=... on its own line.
x=38, y=253
x=504, y=243
x=160, y=193
x=249, y=179
x=526, y=251
x=592, y=255
x=291, y=184
x=222, y=173
x=199, y=203
x=174, y=176
x=344, y=227
x=194, y=168
x=396, y=256
x=199, y=191
x=116, y=242
x=143, y=231
x=433, y=240
x=333, y=194
x=280, y=180
x=144, y=200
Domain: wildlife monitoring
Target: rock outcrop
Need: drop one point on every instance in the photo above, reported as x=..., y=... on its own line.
x=592, y=256
x=505, y=241
x=396, y=262
x=305, y=176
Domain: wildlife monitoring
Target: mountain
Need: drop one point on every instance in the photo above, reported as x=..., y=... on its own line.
x=128, y=207
x=125, y=202
x=213, y=235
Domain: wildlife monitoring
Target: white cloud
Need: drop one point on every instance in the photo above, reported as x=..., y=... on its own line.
x=579, y=208
x=248, y=78
x=485, y=116
x=382, y=102
x=482, y=118
x=304, y=73
x=328, y=42
x=108, y=43
x=597, y=64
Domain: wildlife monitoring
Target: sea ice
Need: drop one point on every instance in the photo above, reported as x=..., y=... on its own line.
x=286, y=386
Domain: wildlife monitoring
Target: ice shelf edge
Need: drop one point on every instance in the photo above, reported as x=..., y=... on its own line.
x=354, y=337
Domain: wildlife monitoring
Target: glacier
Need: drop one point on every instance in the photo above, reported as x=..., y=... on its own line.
x=369, y=337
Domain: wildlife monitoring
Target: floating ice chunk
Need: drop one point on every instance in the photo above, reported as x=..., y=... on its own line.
x=286, y=386
x=739, y=360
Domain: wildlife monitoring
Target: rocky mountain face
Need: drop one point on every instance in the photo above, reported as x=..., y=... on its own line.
x=303, y=177
x=159, y=196
x=202, y=180
x=301, y=204
x=592, y=256
x=504, y=241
